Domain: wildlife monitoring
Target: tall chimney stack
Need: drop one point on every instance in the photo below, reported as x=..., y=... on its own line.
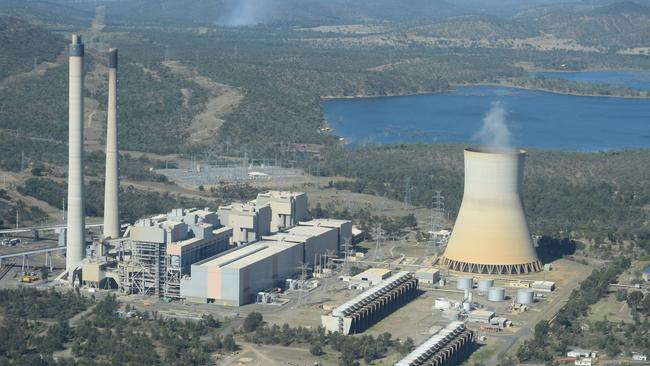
x=112, y=182
x=76, y=208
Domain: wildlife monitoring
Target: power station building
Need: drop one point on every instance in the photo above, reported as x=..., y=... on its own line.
x=249, y=222
x=288, y=208
x=343, y=229
x=450, y=346
x=316, y=240
x=372, y=305
x=163, y=247
x=235, y=277
x=491, y=232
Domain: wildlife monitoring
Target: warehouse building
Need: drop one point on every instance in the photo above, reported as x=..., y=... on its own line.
x=543, y=286
x=235, y=278
x=369, y=277
x=248, y=221
x=343, y=229
x=372, y=305
x=317, y=240
x=288, y=208
x=162, y=249
x=427, y=275
x=449, y=346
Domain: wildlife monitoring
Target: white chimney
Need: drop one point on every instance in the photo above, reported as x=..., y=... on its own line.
x=76, y=208
x=112, y=180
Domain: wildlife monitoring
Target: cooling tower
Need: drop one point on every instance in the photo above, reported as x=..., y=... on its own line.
x=112, y=182
x=491, y=233
x=76, y=209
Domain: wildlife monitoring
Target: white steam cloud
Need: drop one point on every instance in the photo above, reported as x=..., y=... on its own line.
x=494, y=134
x=240, y=13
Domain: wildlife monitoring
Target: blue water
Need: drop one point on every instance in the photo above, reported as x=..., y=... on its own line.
x=535, y=119
x=628, y=79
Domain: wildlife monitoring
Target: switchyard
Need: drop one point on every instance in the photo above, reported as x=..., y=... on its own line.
x=213, y=175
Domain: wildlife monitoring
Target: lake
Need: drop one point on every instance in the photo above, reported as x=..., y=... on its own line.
x=535, y=119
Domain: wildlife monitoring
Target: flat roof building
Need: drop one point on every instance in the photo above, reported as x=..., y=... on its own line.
x=288, y=208
x=369, y=277
x=427, y=275
x=318, y=240
x=234, y=278
x=343, y=228
x=249, y=222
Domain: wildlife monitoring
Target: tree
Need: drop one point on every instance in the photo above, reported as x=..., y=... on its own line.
x=252, y=322
x=621, y=295
x=316, y=349
x=229, y=343
x=645, y=304
x=634, y=300
x=407, y=346
x=45, y=273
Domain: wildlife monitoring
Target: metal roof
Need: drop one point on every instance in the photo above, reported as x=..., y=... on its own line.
x=248, y=255
x=438, y=340
x=371, y=294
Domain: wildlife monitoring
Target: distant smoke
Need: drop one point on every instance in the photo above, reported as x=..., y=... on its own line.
x=238, y=13
x=494, y=133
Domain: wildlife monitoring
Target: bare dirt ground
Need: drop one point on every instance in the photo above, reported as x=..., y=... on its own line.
x=221, y=101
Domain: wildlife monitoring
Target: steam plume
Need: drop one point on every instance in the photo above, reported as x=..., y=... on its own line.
x=238, y=13
x=494, y=134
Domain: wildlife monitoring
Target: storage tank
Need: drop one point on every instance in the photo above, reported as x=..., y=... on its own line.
x=484, y=284
x=467, y=306
x=496, y=294
x=525, y=296
x=465, y=283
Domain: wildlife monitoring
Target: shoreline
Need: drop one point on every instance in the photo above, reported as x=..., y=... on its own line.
x=326, y=98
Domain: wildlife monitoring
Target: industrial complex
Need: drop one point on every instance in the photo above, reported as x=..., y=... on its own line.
x=268, y=252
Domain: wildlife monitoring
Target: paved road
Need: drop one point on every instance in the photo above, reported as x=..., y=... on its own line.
x=561, y=297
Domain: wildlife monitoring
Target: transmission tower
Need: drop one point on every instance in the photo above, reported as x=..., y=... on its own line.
x=303, y=267
x=378, y=233
x=347, y=245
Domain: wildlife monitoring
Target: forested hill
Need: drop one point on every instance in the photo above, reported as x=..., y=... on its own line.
x=620, y=24
x=48, y=12
x=21, y=43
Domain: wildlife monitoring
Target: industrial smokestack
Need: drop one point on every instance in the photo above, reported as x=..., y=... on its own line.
x=491, y=233
x=76, y=208
x=112, y=182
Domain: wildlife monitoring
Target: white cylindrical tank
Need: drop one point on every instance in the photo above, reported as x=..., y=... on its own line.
x=491, y=233
x=484, y=285
x=112, y=182
x=76, y=208
x=496, y=294
x=467, y=306
x=525, y=296
x=464, y=283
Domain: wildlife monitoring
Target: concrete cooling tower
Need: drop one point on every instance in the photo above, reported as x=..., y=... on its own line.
x=491, y=233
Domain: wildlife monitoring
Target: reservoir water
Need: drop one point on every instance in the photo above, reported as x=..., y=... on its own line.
x=535, y=119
